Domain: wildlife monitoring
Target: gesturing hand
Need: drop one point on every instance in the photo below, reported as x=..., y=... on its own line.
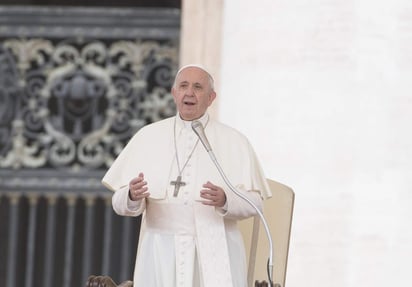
x=138, y=188
x=213, y=195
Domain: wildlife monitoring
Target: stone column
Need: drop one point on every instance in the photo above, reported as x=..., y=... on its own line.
x=200, y=41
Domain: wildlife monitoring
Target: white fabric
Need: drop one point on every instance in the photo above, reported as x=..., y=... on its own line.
x=214, y=255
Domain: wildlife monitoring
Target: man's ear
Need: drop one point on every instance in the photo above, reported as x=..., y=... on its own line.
x=212, y=97
x=173, y=91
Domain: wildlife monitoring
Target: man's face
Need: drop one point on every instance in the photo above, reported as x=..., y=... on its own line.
x=192, y=93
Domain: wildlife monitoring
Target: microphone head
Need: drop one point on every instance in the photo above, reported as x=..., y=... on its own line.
x=199, y=131
x=196, y=125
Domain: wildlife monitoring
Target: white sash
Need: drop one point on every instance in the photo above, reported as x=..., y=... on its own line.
x=194, y=225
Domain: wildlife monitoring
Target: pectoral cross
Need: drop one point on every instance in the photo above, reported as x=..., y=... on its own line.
x=177, y=183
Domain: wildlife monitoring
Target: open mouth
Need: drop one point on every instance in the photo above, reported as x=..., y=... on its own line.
x=189, y=103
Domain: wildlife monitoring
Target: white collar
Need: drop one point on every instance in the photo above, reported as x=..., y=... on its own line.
x=188, y=124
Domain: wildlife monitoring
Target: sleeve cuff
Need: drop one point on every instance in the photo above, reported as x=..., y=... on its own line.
x=222, y=210
x=133, y=205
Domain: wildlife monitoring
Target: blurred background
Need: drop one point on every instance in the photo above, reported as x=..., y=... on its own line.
x=321, y=88
x=77, y=80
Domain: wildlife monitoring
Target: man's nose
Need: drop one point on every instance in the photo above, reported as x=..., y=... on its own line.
x=190, y=91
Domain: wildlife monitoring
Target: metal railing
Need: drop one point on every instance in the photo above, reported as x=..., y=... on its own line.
x=59, y=239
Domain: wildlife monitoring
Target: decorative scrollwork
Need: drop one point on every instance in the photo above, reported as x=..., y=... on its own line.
x=80, y=100
x=9, y=97
x=29, y=53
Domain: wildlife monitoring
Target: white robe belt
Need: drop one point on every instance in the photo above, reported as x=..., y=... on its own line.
x=170, y=218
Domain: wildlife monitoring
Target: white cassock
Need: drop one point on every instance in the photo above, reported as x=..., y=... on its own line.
x=183, y=242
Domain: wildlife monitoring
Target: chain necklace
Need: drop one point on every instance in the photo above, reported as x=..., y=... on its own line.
x=178, y=182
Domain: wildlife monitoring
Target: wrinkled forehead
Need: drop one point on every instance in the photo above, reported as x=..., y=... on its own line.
x=211, y=81
x=194, y=66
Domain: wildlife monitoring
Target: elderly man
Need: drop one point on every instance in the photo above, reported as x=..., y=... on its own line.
x=189, y=234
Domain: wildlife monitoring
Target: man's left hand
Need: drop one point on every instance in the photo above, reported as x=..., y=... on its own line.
x=213, y=195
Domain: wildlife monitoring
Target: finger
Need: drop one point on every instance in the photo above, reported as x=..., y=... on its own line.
x=208, y=195
x=210, y=185
x=137, y=179
x=141, y=195
x=141, y=190
x=140, y=185
x=205, y=193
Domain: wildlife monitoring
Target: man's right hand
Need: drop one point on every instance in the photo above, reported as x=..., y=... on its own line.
x=138, y=188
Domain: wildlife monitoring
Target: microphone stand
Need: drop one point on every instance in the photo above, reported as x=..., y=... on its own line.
x=203, y=139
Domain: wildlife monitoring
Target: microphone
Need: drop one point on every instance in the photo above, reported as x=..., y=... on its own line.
x=200, y=132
